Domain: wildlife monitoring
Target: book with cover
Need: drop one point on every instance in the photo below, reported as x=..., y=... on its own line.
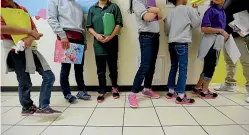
x=109, y=24
x=152, y=3
x=73, y=55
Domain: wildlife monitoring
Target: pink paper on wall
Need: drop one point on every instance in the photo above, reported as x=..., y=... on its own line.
x=42, y=13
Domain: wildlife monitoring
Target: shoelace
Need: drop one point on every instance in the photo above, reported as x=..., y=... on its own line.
x=132, y=98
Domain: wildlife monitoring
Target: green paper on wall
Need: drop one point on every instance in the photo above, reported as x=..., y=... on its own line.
x=109, y=24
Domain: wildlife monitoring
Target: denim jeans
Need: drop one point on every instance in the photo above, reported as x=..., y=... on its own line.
x=65, y=71
x=179, y=58
x=112, y=60
x=149, y=46
x=18, y=62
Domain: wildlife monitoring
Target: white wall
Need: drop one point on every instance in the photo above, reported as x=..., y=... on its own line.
x=128, y=53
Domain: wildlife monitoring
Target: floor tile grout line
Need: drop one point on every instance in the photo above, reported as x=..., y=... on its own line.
x=53, y=121
x=124, y=115
x=196, y=120
x=88, y=119
x=158, y=116
x=236, y=102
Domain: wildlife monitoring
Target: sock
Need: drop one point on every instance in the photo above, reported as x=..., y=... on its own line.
x=146, y=89
x=172, y=91
x=181, y=95
x=205, y=92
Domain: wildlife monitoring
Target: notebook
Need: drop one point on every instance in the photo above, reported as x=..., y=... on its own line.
x=109, y=24
x=73, y=55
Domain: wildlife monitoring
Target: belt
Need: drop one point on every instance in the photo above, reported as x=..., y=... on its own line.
x=148, y=33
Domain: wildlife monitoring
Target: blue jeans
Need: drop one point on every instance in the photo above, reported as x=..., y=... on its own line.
x=17, y=61
x=179, y=58
x=149, y=45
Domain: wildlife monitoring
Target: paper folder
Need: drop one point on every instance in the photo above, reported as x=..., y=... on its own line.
x=109, y=24
x=197, y=2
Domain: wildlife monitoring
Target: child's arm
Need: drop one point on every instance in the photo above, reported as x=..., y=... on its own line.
x=156, y=11
x=194, y=17
x=142, y=11
x=5, y=29
x=210, y=30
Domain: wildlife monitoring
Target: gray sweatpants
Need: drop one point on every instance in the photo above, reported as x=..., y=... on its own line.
x=244, y=60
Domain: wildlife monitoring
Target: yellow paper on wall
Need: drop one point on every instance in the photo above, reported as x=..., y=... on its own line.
x=197, y=2
x=17, y=18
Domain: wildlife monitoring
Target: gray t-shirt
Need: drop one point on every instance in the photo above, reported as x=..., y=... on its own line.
x=140, y=8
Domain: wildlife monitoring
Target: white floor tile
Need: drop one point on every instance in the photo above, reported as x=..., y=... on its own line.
x=86, y=103
x=241, y=89
x=238, y=98
x=141, y=117
x=246, y=107
x=175, y=116
x=208, y=116
x=25, y=130
x=162, y=102
x=143, y=131
x=220, y=101
x=102, y=131
x=142, y=101
x=36, y=120
x=59, y=101
x=4, y=128
x=74, y=116
x=225, y=130
x=12, y=116
x=184, y=130
x=111, y=102
x=5, y=109
x=238, y=114
x=198, y=101
x=3, y=98
x=9, y=93
x=14, y=101
x=246, y=127
x=62, y=130
x=107, y=117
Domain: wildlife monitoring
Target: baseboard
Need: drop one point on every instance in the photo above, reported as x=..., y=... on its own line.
x=90, y=88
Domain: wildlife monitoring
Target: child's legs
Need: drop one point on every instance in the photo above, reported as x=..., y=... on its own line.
x=182, y=52
x=79, y=69
x=65, y=71
x=101, y=71
x=19, y=62
x=173, y=68
x=146, y=45
x=149, y=77
x=47, y=84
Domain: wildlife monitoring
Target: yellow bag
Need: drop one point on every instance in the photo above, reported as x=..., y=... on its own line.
x=17, y=18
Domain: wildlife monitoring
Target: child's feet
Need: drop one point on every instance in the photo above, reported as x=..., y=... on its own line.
x=115, y=93
x=208, y=94
x=185, y=100
x=101, y=98
x=132, y=100
x=29, y=111
x=48, y=111
x=196, y=90
x=71, y=99
x=83, y=95
x=226, y=87
x=151, y=94
x=171, y=95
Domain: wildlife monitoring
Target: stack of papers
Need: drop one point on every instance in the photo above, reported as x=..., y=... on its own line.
x=232, y=49
x=17, y=18
x=109, y=24
x=241, y=23
x=197, y=2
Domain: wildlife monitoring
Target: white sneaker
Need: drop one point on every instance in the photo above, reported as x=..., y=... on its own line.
x=230, y=88
x=247, y=100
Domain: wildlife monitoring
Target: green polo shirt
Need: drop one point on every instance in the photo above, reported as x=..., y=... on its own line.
x=95, y=21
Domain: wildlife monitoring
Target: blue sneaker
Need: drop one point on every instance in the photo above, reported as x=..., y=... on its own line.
x=83, y=95
x=71, y=99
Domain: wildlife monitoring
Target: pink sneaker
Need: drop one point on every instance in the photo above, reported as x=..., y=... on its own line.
x=132, y=100
x=151, y=94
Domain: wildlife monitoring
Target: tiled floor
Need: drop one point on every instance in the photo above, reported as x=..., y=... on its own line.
x=226, y=115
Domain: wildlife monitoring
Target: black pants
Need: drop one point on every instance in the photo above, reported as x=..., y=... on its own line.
x=210, y=62
x=65, y=71
x=112, y=60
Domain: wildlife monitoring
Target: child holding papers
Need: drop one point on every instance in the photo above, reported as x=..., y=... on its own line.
x=26, y=62
x=105, y=42
x=148, y=30
x=180, y=23
x=213, y=25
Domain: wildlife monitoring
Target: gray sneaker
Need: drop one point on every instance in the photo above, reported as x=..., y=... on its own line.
x=247, y=100
x=48, y=111
x=229, y=88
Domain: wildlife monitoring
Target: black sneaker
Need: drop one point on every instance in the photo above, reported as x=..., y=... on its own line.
x=48, y=111
x=195, y=91
x=171, y=95
x=101, y=98
x=209, y=95
x=185, y=100
x=115, y=93
x=28, y=110
x=71, y=99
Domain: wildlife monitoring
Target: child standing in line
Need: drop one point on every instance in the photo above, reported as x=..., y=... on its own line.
x=180, y=23
x=148, y=30
x=213, y=25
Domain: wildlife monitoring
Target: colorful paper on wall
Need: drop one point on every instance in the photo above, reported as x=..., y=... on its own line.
x=109, y=24
x=152, y=3
x=17, y=18
x=73, y=55
x=198, y=2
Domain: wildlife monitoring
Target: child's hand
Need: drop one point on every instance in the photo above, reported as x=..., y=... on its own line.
x=194, y=5
x=225, y=34
x=65, y=43
x=99, y=37
x=28, y=41
x=35, y=34
x=154, y=10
